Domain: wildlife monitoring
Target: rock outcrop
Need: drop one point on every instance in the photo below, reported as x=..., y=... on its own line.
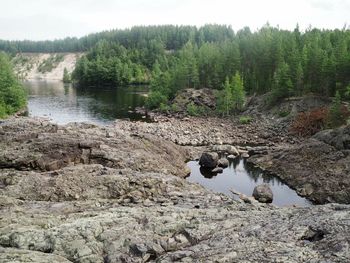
x=318, y=168
x=112, y=197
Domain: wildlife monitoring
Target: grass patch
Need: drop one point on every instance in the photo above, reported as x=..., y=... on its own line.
x=245, y=119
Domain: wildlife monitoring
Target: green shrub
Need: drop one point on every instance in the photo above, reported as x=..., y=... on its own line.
x=155, y=99
x=12, y=94
x=338, y=113
x=175, y=108
x=164, y=107
x=194, y=110
x=245, y=119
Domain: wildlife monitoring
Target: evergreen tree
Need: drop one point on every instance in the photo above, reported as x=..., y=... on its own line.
x=225, y=99
x=12, y=95
x=282, y=84
x=238, y=93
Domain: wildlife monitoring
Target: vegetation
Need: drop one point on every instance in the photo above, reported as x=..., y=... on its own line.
x=311, y=122
x=12, y=95
x=48, y=64
x=232, y=97
x=245, y=119
x=66, y=76
x=338, y=113
x=270, y=60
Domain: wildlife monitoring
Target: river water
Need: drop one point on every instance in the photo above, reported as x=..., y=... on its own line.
x=239, y=176
x=63, y=103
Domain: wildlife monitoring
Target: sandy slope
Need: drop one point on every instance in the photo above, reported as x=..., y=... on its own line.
x=29, y=68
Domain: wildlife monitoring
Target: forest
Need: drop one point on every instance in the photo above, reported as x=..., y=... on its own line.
x=170, y=58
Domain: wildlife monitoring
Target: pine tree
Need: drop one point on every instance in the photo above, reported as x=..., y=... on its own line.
x=238, y=94
x=282, y=84
x=225, y=99
x=336, y=117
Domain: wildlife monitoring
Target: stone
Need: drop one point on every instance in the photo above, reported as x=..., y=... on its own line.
x=245, y=155
x=231, y=157
x=217, y=170
x=226, y=149
x=263, y=193
x=209, y=159
x=223, y=162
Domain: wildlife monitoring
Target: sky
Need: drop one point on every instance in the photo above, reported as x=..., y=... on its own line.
x=53, y=19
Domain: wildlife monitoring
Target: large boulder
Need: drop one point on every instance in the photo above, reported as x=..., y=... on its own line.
x=209, y=159
x=263, y=193
x=223, y=162
x=339, y=138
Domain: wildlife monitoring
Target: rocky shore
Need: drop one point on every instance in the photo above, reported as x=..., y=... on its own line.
x=83, y=193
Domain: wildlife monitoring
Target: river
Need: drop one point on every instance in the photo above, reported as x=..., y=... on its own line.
x=64, y=103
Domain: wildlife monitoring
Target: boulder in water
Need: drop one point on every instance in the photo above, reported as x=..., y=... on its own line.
x=263, y=193
x=209, y=159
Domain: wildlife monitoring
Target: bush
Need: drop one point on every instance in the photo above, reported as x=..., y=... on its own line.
x=245, y=119
x=311, y=122
x=12, y=94
x=164, y=107
x=175, y=108
x=155, y=99
x=338, y=113
x=194, y=110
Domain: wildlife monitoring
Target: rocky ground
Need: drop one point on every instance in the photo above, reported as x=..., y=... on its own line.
x=82, y=193
x=317, y=168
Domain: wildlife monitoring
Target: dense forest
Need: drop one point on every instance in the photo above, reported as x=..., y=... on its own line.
x=170, y=58
x=12, y=95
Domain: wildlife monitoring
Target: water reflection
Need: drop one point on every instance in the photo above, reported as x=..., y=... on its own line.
x=64, y=103
x=242, y=177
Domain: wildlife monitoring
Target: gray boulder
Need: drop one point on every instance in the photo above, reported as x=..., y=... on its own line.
x=223, y=162
x=209, y=159
x=263, y=193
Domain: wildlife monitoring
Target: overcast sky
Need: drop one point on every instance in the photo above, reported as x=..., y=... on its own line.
x=50, y=19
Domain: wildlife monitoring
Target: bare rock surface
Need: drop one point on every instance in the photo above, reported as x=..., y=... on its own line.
x=318, y=168
x=114, y=197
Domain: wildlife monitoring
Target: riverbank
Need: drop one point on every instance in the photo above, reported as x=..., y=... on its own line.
x=314, y=167
x=84, y=193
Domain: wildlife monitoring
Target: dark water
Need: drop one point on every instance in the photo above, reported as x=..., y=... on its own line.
x=240, y=177
x=63, y=103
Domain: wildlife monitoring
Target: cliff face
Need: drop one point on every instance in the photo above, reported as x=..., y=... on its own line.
x=47, y=66
x=83, y=193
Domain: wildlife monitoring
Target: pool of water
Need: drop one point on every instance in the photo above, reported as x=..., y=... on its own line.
x=241, y=177
x=64, y=103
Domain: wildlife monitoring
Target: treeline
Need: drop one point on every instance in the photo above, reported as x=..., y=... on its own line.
x=284, y=63
x=170, y=58
x=12, y=95
x=172, y=37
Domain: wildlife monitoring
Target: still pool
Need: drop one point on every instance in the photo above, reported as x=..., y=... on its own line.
x=241, y=177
